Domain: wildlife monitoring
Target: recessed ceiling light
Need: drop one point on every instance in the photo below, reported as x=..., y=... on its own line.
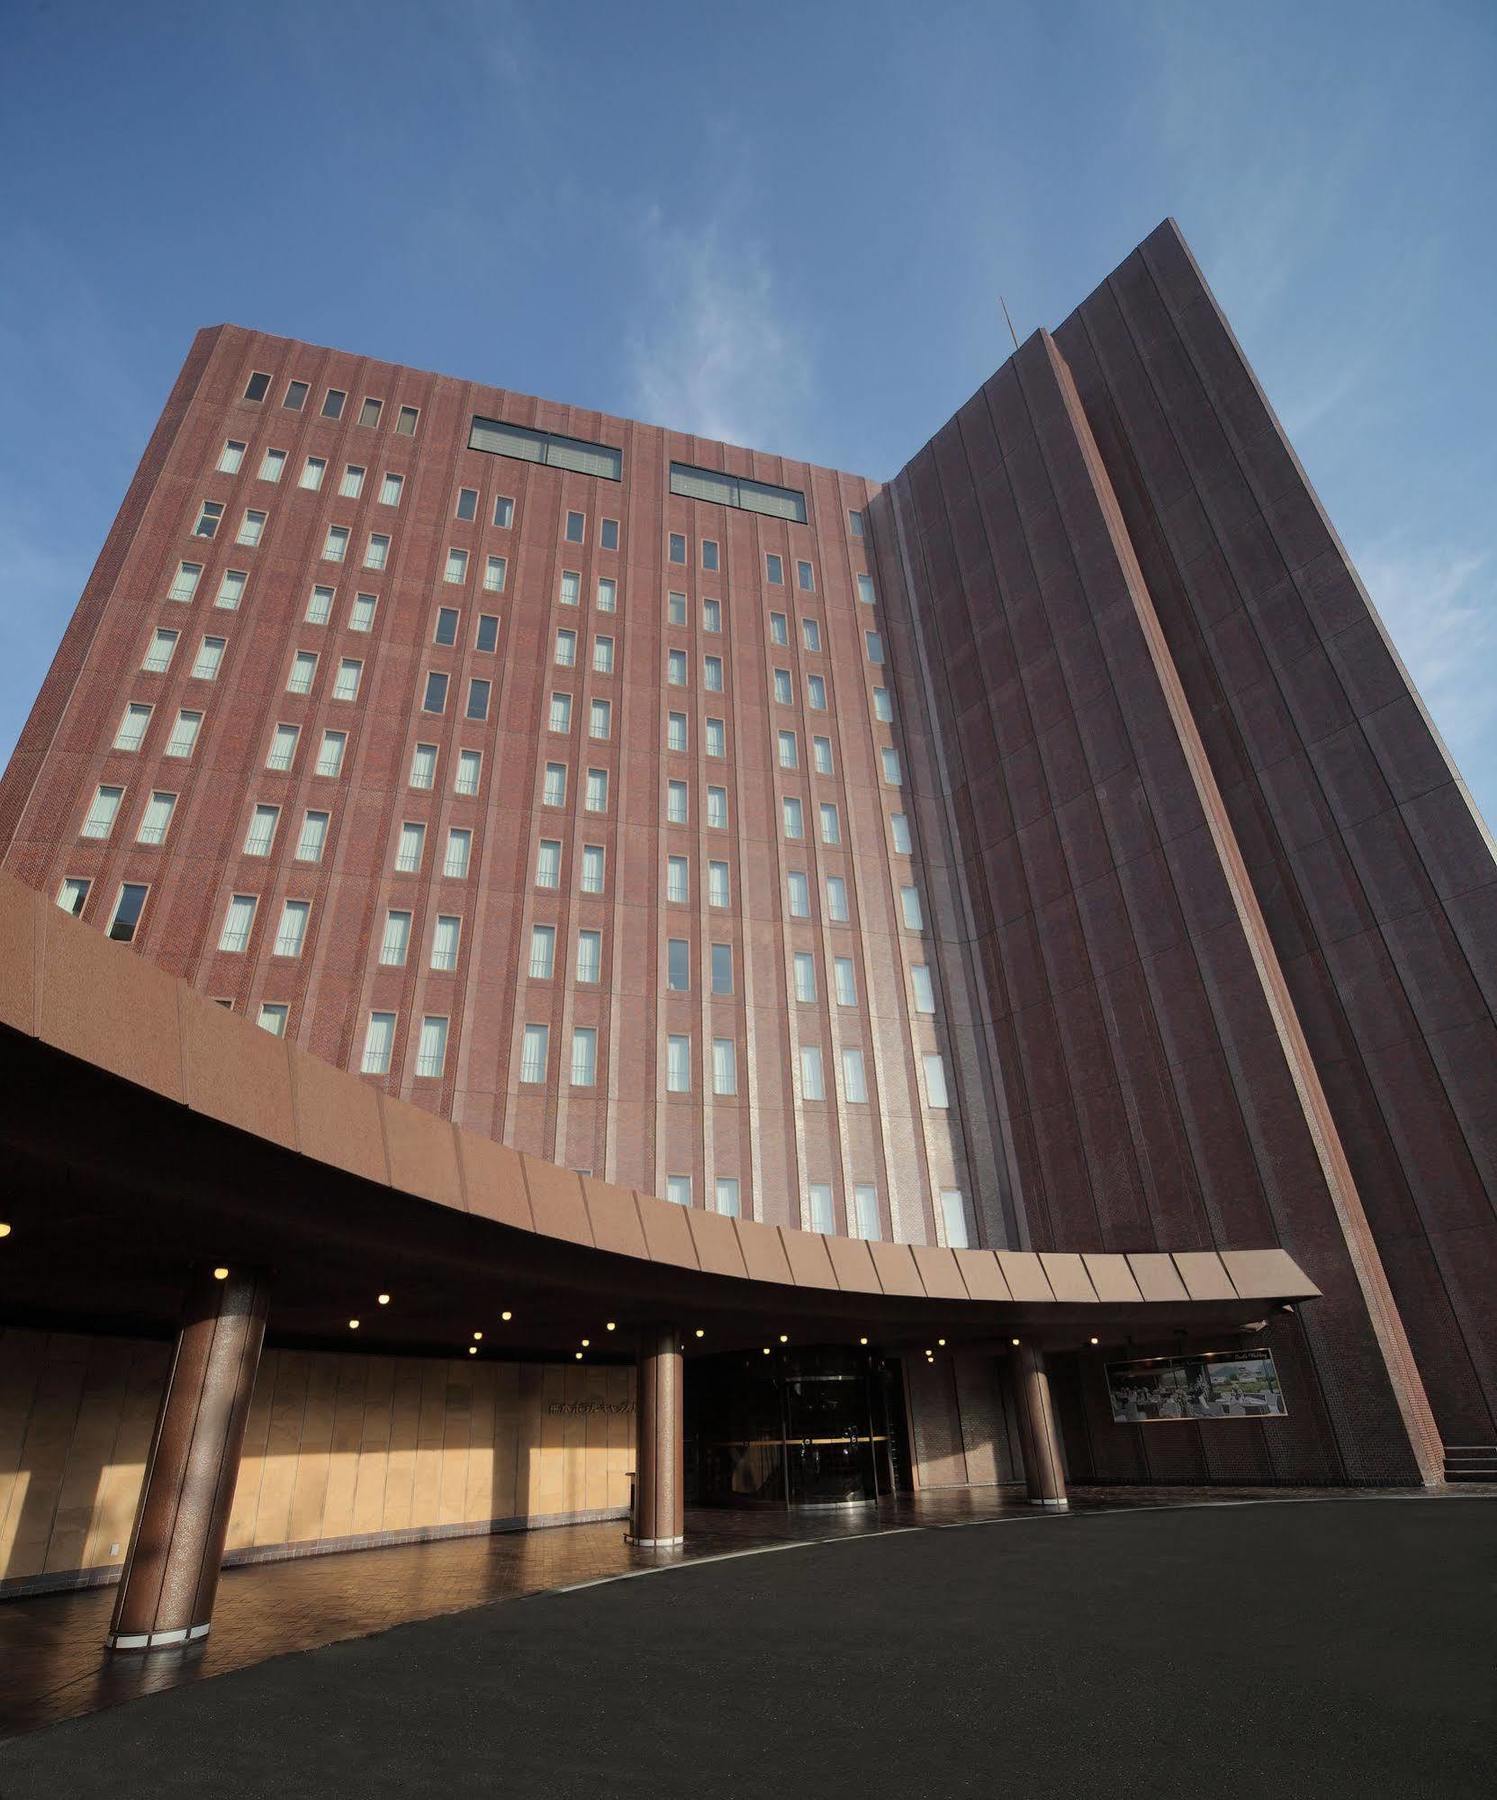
x=353, y=1324
x=219, y=1274
x=1094, y=1340
x=609, y=1326
x=579, y=1356
x=862, y=1340
x=941, y=1342
x=700, y=1332
x=783, y=1338
x=472, y=1349
x=477, y=1337
x=384, y=1299
x=4, y=1229
x=506, y=1316
x=586, y=1342
x=1014, y=1340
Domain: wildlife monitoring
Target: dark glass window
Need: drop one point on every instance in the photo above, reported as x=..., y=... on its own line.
x=296, y=395
x=855, y=523
x=774, y=569
x=576, y=525
x=678, y=547
x=678, y=965
x=436, y=694
x=609, y=538
x=488, y=632
x=127, y=912
x=332, y=403
x=467, y=503
x=518, y=441
x=446, y=631
x=478, y=699
x=722, y=968
x=369, y=412
x=504, y=512
x=709, y=553
x=405, y=423
x=734, y=490
x=257, y=387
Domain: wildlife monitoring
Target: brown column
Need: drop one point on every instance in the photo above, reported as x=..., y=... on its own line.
x=1043, y=1468
x=171, y=1573
x=660, y=1450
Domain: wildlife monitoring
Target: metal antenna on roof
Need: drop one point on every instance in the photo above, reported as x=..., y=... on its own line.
x=1011, y=332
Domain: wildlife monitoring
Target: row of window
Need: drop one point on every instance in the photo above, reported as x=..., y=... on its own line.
x=294, y=399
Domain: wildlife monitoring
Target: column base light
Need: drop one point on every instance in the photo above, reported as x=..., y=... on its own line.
x=640, y=1543
x=156, y=1640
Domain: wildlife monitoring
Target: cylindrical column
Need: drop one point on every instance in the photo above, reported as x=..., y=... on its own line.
x=1044, y=1472
x=660, y=1452
x=171, y=1573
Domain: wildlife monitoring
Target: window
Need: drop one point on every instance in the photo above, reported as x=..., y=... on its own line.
x=320, y=605
x=584, y=1056
x=596, y=799
x=335, y=544
x=487, y=635
x=132, y=726
x=592, y=868
x=478, y=698
x=494, y=572
x=184, y=734
x=292, y=930
x=810, y=633
x=783, y=692
x=445, y=629
x=935, y=1081
x=566, y=649
x=571, y=588
x=405, y=421
x=377, y=552
x=309, y=845
x=608, y=595
x=727, y=1189
x=717, y=808
x=444, y=942
x=812, y=1084
x=779, y=629
x=127, y=910
x=831, y=824
x=346, y=687
x=396, y=941
x=469, y=766
x=733, y=490
x=431, y=1048
x=725, y=1074
x=712, y=674
x=542, y=952
x=231, y=457
x=282, y=747
x=548, y=863
x=303, y=669
x=159, y=654
x=603, y=655
x=816, y=692
x=185, y=581
x=805, y=976
x=456, y=568
x=675, y=668
x=819, y=1208
x=709, y=554
x=677, y=547
x=676, y=802
x=925, y=996
x=296, y=396
x=675, y=731
x=600, y=720
x=409, y=848
x=889, y=757
x=865, y=1212
x=717, y=738
x=678, y=1189
x=589, y=957
x=675, y=609
x=875, y=646
x=554, y=785
x=774, y=571
x=312, y=472
x=435, y=698
x=712, y=615
x=369, y=412
x=678, y=1064
x=855, y=522
x=561, y=712
x=608, y=537
x=330, y=754
x=332, y=403
x=504, y=512
x=821, y=755
x=865, y=589
x=954, y=1218
x=499, y=439
x=361, y=614
x=389, y=489
x=790, y=807
x=789, y=751
x=576, y=527
x=271, y=465
x=845, y=982
x=717, y=884
x=677, y=965
x=466, y=506
x=258, y=384
x=459, y=849
x=854, y=1082
x=231, y=590
x=798, y=892
x=209, y=515
x=261, y=833
x=534, y=1053
x=836, y=899
x=909, y=906
x=883, y=709
x=156, y=819
x=272, y=1018
x=677, y=878
x=722, y=968
x=899, y=830
x=251, y=528
x=238, y=919
x=352, y=484
x=805, y=578
x=379, y=1040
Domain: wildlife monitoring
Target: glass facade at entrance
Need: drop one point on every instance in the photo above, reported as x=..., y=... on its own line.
x=822, y=1426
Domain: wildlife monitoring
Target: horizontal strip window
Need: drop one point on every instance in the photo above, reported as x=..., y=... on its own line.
x=733, y=490
x=546, y=447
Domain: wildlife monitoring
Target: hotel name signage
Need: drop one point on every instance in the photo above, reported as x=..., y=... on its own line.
x=574, y=1407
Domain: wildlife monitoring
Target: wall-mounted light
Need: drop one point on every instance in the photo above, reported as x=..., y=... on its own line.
x=219, y=1274
x=700, y=1332
x=941, y=1342
x=472, y=1349
x=610, y=1326
x=579, y=1355
x=353, y=1324
x=1094, y=1340
x=766, y=1349
x=1014, y=1342
x=783, y=1338
x=384, y=1299
x=4, y=1229
x=477, y=1337
x=506, y=1317
x=586, y=1342
x=862, y=1340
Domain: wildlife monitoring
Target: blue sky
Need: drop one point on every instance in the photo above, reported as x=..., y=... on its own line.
x=787, y=226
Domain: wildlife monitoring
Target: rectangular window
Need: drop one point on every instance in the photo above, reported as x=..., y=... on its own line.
x=332, y=403
x=925, y=994
x=389, y=489
x=733, y=490
x=855, y=522
x=889, y=757
x=565, y=653
x=717, y=738
x=335, y=544
x=836, y=899
x=444, y=942
x=209, y=515
x=445, y=629
x=592, y=868
x=677, y=547
x=377, y=552
x=816, y=692
x=303, y=670
x=678, y=1064
x=954, y=1219
x=596, y=800
x=251, y=528
x=408, y=850
x=584, y=1056
x=459, y=849
x=159, y=654
x=309, y=846
x=185, y=581
x=865, y=1212
x=156, y=819
x=831, y=823
x=469, y=768
x=456, y=568
x=804, y=576
x=790, y=807
x=397, y=939
x=312, y=472
x=369, y=412
x=494, y=571
x=271, y=465
x=709, y=554
x=352, y=483
x=722, y=968
x=675, y=731
x=132, y=726
x=272, y=1018
x=899, y=830
x=361, y=614
x=283, y=747
x=258, y=386
x=554, y=785
x=576, y=527
x=875, y=646
x=608, y=534
x=845, y=981
x=784, y=693
x=589, y=957
x=854, y=1082
x=812, y=1081
x=677, y=965
x=718, y=885
x=238, y=918
x=261, y=833
x=935, y=1081
x=727, y=1190
x=717, y=808
x=676, y=802
x=712, y=674
x=504, y=511
x=561, y=712
x=909, y=906
x=296, y=396
x=712, y=615
x=330, y=754
x=379, y=1041
x=805, y=977
x=499, y=439
x=478, y=698
x=675, y=609
x=675, y=668
x=603, y=655
x=571, y=588
x=819, y=1206
x=678, y=1189
x=320, y=605
x=600, y=720
x=292, y=931
x=231, y=457
x=466, y=505
x=534, y=1054
x=435, y=698
x=184, y=734
x=542, y=952
x=431, y=1048
x=486, y=637
x=821, y=749
x=350, y=672
x=779, y=629
x=127, y=910
x=405, y=421
x=548, y=863
x=810, y=633
x=724, y=1068
x=608, y=595
x=774, y=570
x=231, y=590
x=677, y=878
x=865, y=589
x=883, y=707
x=798, y=894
